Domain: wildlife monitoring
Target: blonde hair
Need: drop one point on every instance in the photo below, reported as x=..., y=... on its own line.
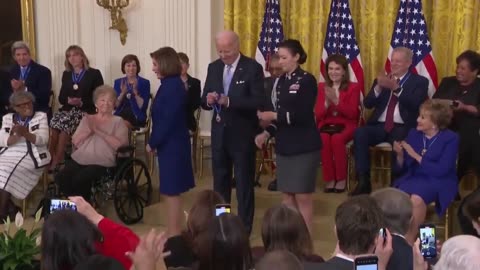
x=104, y=90
x=79, y=50
x=440, y=113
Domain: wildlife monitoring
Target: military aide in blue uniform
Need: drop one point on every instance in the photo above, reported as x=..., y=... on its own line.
x=297, y=139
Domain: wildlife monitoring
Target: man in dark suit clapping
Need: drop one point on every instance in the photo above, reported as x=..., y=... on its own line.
x=396, y=100
x=27, y=75
x=234, y=90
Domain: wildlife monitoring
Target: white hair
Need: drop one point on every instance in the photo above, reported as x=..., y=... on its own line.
x=461, y=252
x=20, y=45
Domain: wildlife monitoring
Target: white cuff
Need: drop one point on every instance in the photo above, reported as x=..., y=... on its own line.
x=288, y=118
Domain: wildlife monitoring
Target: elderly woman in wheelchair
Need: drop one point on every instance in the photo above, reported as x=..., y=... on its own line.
x=96, y=141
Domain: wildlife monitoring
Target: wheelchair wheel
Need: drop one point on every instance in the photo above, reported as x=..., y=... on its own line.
x=133, y=191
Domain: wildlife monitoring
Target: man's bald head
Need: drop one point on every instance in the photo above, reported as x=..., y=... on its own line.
x=228, y=46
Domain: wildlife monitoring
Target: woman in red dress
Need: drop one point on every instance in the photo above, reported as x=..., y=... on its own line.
x=337, y=113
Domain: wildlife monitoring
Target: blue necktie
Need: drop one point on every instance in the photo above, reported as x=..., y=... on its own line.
x=227, y=79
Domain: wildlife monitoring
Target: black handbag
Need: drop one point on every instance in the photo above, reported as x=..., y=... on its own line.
x=332, y=128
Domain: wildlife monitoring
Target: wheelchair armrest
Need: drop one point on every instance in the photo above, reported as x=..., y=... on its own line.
x=125, y=149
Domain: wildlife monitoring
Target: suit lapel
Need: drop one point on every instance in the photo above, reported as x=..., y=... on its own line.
x=238, y=73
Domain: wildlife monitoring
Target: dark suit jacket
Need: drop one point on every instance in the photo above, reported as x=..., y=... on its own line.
x=450, y=89
x=414, y=93
x=5, y=92
x=336, y=263
x=268, y=86
x=193, y=101
x=402, y=257
x=246, y=96
x=143, y=91
x=91, y=80
x=295, y=129
x=38, y=82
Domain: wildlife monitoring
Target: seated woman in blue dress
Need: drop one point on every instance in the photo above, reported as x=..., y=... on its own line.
x=133, y=93
x=427, y=162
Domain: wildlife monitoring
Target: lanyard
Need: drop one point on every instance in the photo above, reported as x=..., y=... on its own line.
x=22, y=122
x=76, y=78
x=24, y=71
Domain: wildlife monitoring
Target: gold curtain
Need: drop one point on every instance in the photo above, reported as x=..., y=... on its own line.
x=453, y=26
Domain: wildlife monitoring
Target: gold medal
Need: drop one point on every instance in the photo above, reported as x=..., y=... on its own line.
x=75, y=87
x=218, y=118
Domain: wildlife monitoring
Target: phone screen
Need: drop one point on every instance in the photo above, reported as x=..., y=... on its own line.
x=57, y=204
x=223, y=208
x=366, y=267
x=366, y=263
x=428, y=241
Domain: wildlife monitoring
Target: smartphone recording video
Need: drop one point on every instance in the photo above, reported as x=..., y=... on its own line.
x=428, y=241
x=366, y=263
x=57, y=204
x=222, y=208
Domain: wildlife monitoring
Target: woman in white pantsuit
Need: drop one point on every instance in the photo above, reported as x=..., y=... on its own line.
x=23, y=152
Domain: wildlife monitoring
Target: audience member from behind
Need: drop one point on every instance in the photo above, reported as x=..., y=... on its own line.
x=283, y=228
x=28, y=75
x=69, y=238
x=79, y=80
x=228, y=247
x=193, y=88
x=99, y=262
x=96, y=140
x=186, y=248
x=133, y=93
x=24, y=154
x=461, y=252
x=279, y=260
x=357, y=224
x=426, y=161
x=337, y=115
x=397, y=212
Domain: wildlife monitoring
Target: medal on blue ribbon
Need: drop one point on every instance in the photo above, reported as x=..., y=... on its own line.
x=76, y=78
x=218, y=109
x=24, y=73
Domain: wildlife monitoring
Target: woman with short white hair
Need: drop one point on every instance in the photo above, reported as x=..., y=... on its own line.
x=23, y=151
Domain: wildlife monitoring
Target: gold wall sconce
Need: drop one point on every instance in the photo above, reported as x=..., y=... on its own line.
x=118, y=22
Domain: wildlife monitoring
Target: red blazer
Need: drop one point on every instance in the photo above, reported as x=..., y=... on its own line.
x=347, y=109
x=117, y=240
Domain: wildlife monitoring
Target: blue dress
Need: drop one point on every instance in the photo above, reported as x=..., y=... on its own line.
x=435, y=178
x=170, y=137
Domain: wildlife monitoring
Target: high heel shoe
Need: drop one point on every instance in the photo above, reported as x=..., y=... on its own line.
x=340, y=190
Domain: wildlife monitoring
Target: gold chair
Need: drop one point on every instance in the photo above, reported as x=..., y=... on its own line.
x=44, y=178
x=203, y=136
x=145, y=132
x=194, y=139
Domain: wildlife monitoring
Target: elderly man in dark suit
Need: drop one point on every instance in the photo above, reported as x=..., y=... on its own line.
x=27, y=75
x=397, y=209
x=396, y=100
x=234, y=90
x=359, y=236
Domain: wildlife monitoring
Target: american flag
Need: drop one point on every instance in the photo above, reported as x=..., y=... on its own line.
x=270, y=35
x=411, y=31
x=340, y=39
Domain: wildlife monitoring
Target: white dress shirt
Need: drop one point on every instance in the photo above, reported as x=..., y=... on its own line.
x=232, y=69
x=396, y=114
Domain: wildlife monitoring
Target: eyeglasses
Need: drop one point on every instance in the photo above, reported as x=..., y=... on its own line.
x=28, y=103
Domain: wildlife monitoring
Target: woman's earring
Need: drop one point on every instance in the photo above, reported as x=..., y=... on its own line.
x=96, y=109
